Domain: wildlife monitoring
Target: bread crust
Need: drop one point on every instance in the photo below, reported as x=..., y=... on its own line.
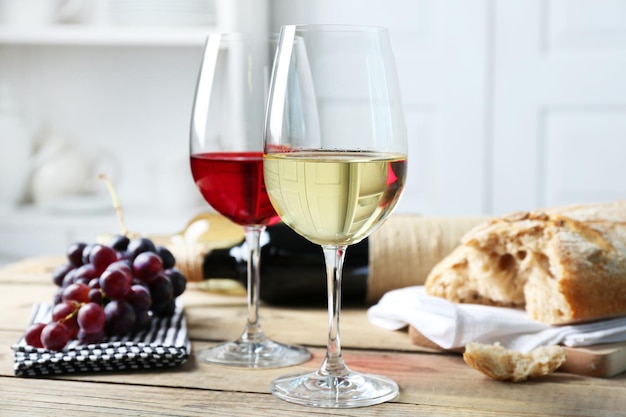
x=562, y=265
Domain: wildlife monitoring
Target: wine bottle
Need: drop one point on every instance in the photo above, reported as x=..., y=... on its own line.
x=399, y=254
x=292, y=268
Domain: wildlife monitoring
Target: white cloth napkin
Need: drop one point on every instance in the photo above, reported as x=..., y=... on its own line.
x=451, y=325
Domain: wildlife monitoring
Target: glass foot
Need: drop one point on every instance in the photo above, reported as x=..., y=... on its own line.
x=317, y=390
x=261, y=354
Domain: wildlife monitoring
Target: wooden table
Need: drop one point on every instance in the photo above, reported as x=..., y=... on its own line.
x=430, y=383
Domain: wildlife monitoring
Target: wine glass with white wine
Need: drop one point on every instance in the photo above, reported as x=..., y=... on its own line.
x=335, y=155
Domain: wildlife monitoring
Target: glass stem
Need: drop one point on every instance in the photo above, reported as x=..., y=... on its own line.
x=334, y=365
x=253, y=332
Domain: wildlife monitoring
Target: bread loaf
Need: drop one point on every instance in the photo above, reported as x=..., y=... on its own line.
x=562, y=265
x=508, y=365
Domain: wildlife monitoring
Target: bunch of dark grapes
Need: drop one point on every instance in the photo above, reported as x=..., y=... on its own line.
x=107, y=290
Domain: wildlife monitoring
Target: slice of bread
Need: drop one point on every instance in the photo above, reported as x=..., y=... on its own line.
x=503, y=364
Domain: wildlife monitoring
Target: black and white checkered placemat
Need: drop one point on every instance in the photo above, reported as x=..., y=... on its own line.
x=163, y=344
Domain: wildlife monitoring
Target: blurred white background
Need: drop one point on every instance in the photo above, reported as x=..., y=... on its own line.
x=510, y=105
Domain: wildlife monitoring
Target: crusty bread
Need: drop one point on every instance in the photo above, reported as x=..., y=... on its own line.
x=562, y=265
x=507, y=365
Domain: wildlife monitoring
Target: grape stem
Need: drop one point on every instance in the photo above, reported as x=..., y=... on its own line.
x=116, y=202
x=74, y=312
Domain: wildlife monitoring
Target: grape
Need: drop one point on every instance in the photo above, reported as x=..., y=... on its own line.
x=122, y=263
x=91, y=318
x=55, y=336
x=142, y=319
x=32, y=336
x=59, y=273
x=94, y=283
x=139, y=297
x=95, y=296
x=147, y=265
x=161, y=290
x=82, y=280
x=88, y=338
x=75, y=253
x=86, y=251
x=102, y=256
x=178, y=280
x=77, y=292
x=139, y=245
x=57, y=297
x=120, y=317
x=63, y=310
x=68, y=278
x=72, y=326
x=86, y=271
x=165, y=308
x=162, y=293
x=166, y=256
x=119, y=242
x=116, y=283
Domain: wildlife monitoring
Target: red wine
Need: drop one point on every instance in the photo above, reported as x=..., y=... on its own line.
x=232, y=183
x=293, y=271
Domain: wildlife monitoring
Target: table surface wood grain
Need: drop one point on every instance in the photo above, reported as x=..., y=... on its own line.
x=431, y=383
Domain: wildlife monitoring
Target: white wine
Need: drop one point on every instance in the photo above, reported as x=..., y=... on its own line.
x=334, y=197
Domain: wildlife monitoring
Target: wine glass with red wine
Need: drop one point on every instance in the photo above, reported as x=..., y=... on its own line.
x=226, y=142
